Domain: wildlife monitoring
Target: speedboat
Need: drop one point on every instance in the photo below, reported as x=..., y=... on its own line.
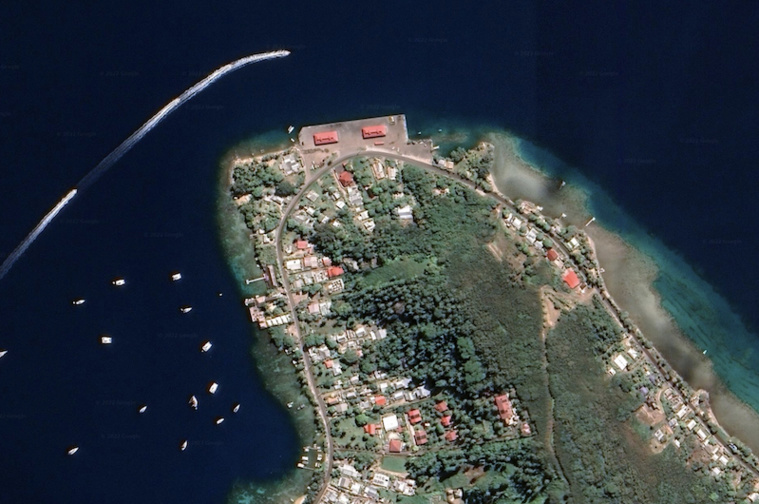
x=77, y=302
x=206, y=346
x=183, y=445
x=143, y=408
x=176, y=276
x=219, y=420
x=193, y=402
x=119, y=282
x=213, y=387
x=106, y=340
x=185, y=309
x=235, y=407
x=3, y=352
x=72, y=450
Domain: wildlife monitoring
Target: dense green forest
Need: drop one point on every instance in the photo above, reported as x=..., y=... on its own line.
x=468, y=327
x=598, y=441
x=460, y=322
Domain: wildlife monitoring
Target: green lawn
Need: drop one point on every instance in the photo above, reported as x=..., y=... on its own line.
x=395, y=463
x=406, y=268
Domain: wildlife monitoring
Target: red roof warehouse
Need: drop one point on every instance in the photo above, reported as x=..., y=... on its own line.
x=325, y=137
x=374, y=131
x=570, y=277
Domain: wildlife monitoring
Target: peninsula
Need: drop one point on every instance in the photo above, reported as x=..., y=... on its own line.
x=458, y=346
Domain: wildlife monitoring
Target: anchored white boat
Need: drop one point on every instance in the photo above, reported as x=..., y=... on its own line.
x=206, y=346
x=219, y=420
x=213, y=387
x=193, y=402
x=3, y=352
x=119, y=282
x=183, y=445
x=143, y=408
x=176, y=276
x=72, y=450
x=185, y=309
x=77, y=302
x=106, y=340
x=235, y=407
x=290, y=129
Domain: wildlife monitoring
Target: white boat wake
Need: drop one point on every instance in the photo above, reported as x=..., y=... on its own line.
x=127, y=144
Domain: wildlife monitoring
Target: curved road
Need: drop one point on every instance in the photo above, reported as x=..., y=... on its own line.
x=506, y=202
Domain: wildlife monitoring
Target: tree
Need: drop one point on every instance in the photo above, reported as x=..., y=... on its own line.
x=350, y=357
x=285, y=188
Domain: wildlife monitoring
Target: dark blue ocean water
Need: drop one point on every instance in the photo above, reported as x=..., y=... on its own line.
x=657, y=105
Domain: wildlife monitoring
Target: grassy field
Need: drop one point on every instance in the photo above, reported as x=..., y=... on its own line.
x=402, y=268
x=394, y=463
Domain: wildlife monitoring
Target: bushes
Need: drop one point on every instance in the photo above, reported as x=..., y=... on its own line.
x=604, y=457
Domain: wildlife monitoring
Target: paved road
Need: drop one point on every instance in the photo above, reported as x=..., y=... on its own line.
x=506, y=202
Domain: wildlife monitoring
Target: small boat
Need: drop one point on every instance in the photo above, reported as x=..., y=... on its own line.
x=3, y=352
x=193, y=402
x=119, y=282
x=143, y=408
x=183, y=445
x=213, y=387
x=77, y=302
x=105, y=340
x=219, y=420
x=185, y=309
x=206, y=346
x=235, y=407
x=176, y=276
x=290, y=404
x=72, y=450
x=290, y=129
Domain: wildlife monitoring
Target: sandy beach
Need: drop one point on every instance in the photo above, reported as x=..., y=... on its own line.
x=629, y=276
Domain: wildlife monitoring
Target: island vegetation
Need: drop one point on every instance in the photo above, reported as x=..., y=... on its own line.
x=454, y=360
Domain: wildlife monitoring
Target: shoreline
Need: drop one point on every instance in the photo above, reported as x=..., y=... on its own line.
x=273, y=367
x=630, y=276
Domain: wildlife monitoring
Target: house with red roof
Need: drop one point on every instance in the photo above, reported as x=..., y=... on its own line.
x=380, y=400
x=334, y=271
x=394, y=446
x=301, y=244
x=414, y=416
x=370, y=429
x=346, y=179
x=328, y=363
x=552, y=255
x=446, y=421
x=570, y=278
x=451, y=436
x=441, y=406
x=420, y=437
x=503, y=404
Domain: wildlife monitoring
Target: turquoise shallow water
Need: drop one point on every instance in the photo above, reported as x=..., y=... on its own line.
x=698, y=309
